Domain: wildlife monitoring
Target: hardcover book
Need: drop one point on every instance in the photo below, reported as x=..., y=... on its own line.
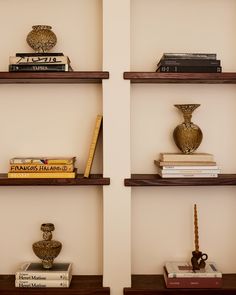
x=176, y=269
x=93, y=145
x=35, y=271
x=189, y=69
x=41, y=168
x=189, y=55
x=39, y=68
x=177, y=164
x=25, y=54
x=188, y=62
x=40, y=59
x=192, y=282
x=42, y=174
x=42, y=160
x=196, y=157
x=42, y=283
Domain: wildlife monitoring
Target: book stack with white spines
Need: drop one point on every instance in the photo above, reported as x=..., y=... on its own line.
x=178, y=165
x=189, y=63
x=181, y=275
x=39, y=62
x=42, y=167
x=33, y=275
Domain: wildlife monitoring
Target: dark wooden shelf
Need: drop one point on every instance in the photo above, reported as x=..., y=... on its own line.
x=155, y=285
x=52, y=77
x=154, y=77
x=80, y=285
x=94, y=179
x=156, y=180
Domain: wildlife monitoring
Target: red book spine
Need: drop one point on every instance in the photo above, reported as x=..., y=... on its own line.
x=192, y=282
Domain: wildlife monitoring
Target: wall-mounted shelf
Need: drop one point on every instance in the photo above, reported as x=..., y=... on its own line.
x=52, y=77
x=207, y=78
x=156, y=180
x=80, y=285
x=155, y=285
x=94, y=179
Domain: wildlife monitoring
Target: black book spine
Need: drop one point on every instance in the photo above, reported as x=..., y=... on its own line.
x=189, y=55
x=189, y=62
x=25, y=54
x=38, y=68
x=189, y=69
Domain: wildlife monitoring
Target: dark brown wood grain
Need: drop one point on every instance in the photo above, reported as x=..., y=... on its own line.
x=155, y=285
x=156, y=180
x=80, y=285
x=94, y=179
x=154, y=77
x=53, y=77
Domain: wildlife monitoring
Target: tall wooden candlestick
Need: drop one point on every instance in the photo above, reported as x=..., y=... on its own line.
x=196, y=229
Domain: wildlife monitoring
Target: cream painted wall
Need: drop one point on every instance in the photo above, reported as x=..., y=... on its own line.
x=52, y=120
x=162, y=218
x=118, y=230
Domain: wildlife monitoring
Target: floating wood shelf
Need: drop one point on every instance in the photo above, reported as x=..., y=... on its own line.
x=155, y=285
x=156, y=180
x=94, y=179
x=52, y=77
x=80, y=285
x=154, y=77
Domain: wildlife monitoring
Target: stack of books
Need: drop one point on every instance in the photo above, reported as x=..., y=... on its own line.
x=39, y=62
x=42, y=167
x=175, y=165
x=189, y=63
x=181, y=275
x=33, y=275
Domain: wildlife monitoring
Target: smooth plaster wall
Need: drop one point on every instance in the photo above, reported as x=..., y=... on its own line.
x=51, y=120
x=162, y=218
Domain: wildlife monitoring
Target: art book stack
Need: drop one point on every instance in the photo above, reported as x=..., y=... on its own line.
x=176, y=165
x=39, y=62
x=181, y=275
x=42, y=167
x=189, y=63
x=33, y=275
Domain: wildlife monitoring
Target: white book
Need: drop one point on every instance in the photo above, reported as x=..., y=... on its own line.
x=39, y=60
x=186, y=157
x=172, y=168
x=35, y=271
x=184, y=270
x=42, y=283
x=189, y=171
x=193, y=175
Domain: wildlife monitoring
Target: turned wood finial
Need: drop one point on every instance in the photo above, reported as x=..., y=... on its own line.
x=196, y=229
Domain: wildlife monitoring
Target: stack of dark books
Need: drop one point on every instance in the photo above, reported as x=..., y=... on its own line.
x=39, y=62
x=189, y=63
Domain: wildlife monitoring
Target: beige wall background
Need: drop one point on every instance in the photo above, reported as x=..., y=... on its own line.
x=117, y=230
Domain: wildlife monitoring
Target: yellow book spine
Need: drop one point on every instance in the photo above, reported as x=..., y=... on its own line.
x=41, y=175
x=93, y=145
x=41, y=168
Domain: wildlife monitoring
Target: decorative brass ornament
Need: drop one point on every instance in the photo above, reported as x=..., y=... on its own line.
x=41, y=38
x=187, y=136
x=198, y=259
x=47, y=249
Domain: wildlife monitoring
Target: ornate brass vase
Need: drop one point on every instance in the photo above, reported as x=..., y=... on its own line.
x=47, y=249
x=41, y=38
x=187, y=136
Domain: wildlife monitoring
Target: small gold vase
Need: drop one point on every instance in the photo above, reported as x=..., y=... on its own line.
x=187, y=136
x=47, y=249
x=41, y=38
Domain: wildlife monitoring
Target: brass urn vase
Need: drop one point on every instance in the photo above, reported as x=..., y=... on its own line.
x=47, y=249
x=187, y=136
x=41, y=38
